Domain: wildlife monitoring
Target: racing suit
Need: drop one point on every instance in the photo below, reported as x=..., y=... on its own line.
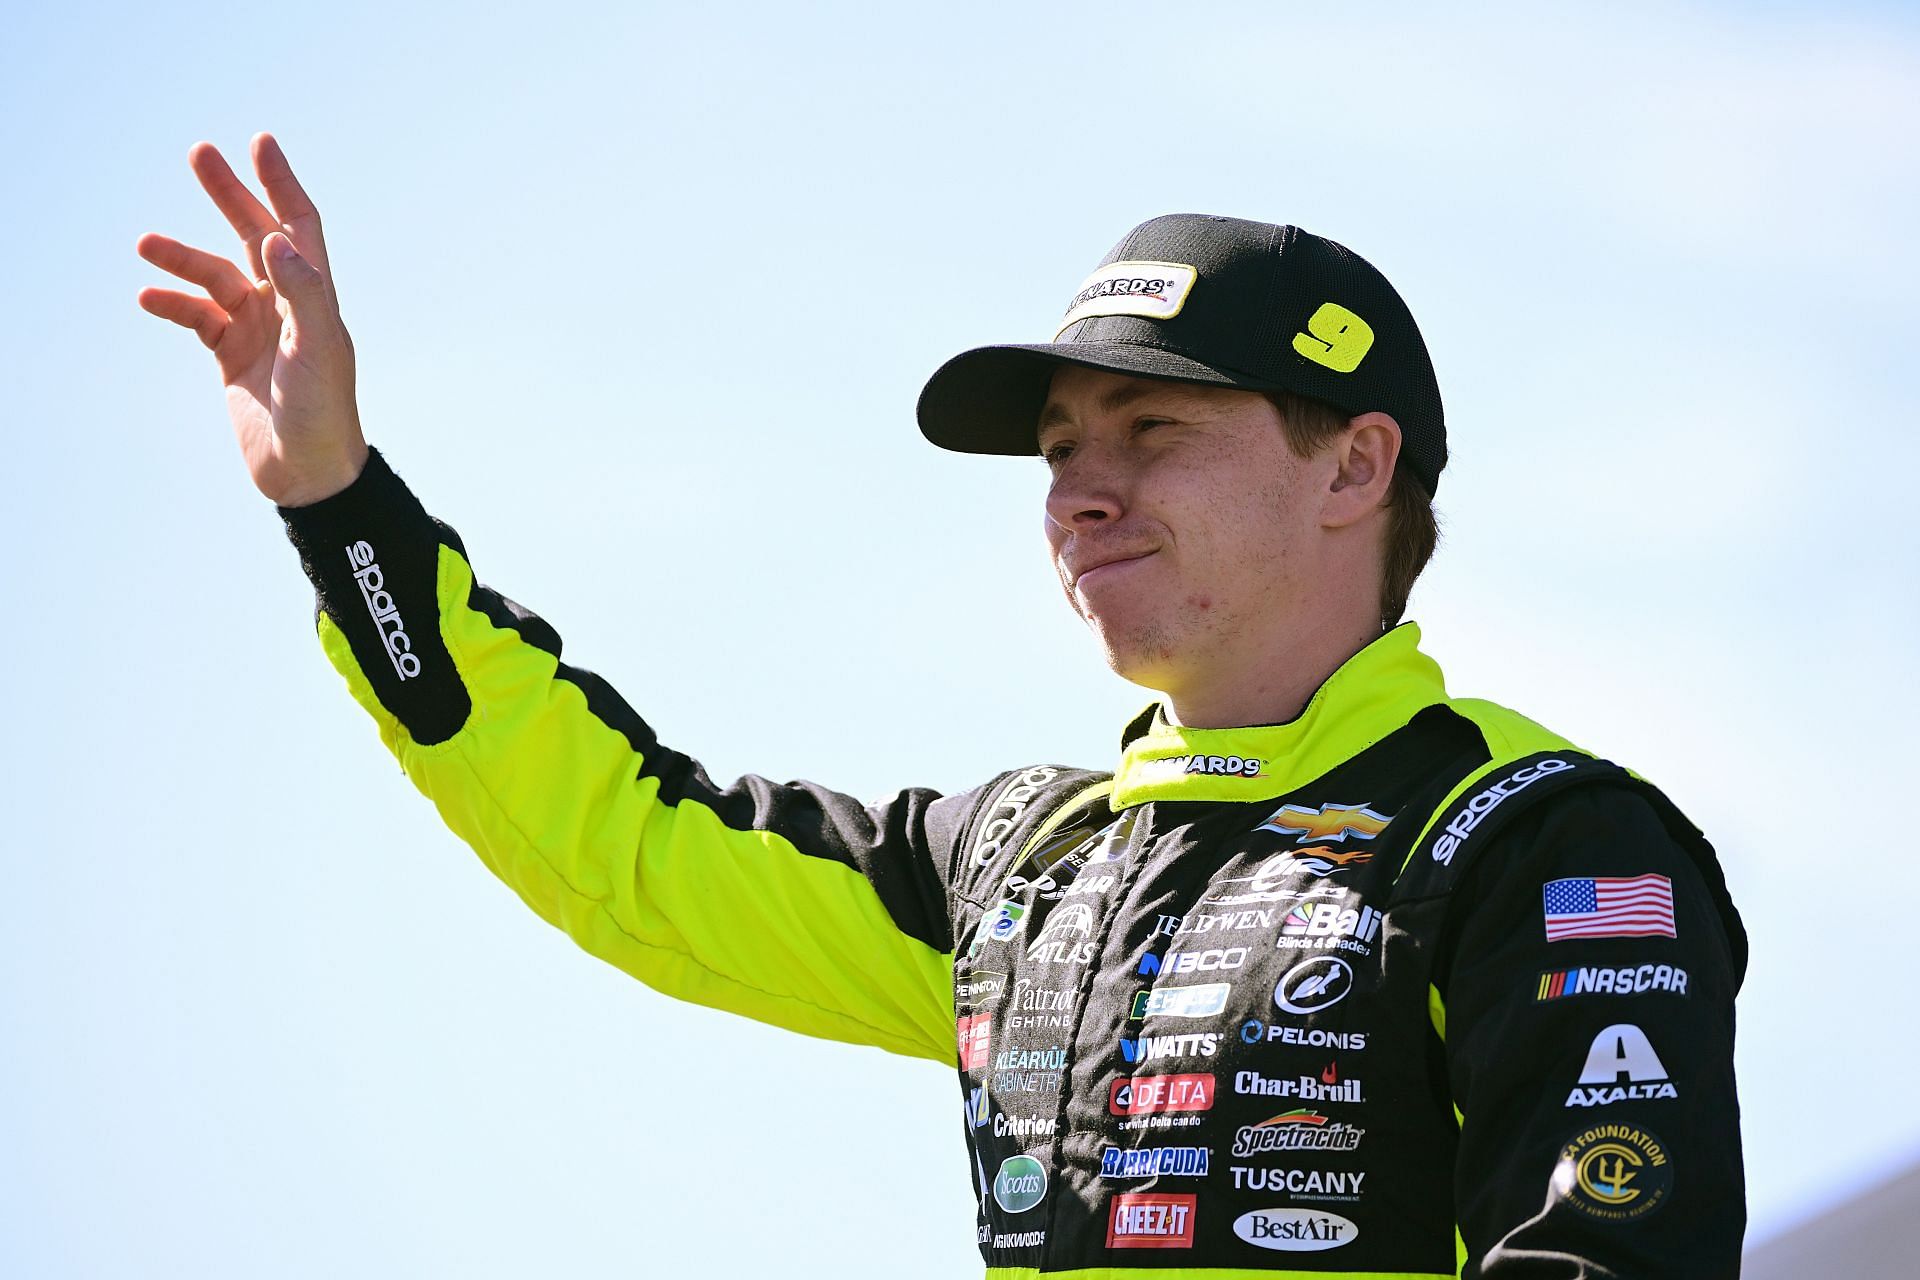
x=1408, y=986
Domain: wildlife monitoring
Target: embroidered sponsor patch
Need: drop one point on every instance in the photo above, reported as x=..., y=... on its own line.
x=1155, y=290
x=1608, y=907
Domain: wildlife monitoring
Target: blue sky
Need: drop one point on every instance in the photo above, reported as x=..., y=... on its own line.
x=642, y=298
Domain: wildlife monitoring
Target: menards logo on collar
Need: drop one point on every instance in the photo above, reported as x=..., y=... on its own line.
x=1328, y=822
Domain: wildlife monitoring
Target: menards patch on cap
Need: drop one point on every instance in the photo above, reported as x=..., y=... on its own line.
x=1156, y=290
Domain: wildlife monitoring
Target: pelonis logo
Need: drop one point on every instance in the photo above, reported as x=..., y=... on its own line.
x=1614, y=1172
x=1329, y=822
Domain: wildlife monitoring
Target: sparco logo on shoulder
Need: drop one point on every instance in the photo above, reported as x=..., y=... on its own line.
x=1004, y=814
x=1487, y=801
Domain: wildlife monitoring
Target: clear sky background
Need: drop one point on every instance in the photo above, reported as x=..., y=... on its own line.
x=643, y=296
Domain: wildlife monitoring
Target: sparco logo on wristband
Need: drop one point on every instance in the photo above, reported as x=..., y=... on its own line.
x=386, y=614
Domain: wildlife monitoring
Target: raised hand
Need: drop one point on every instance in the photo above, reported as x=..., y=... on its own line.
x=276, y=334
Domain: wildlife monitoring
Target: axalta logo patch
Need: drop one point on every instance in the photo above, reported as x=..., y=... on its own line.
x=1487, y=801
x=1621, y=1050
x=1154, y=290
x=384, y=612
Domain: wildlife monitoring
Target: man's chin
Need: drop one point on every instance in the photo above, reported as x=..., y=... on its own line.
x=1143, y=654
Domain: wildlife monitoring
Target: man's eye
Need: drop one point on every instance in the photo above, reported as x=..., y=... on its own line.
x=1147, y=424
x=1055, y=454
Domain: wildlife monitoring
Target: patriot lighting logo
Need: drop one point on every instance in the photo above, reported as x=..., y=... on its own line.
x=1333, y=822
x=1151, y=1221
x=1609, y=907
x=1303, y=1129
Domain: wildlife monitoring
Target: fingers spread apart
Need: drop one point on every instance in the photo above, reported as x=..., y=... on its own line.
x=221, y=279
x=197, y=314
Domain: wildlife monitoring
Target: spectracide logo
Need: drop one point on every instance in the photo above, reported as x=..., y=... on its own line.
x=1151, y=1221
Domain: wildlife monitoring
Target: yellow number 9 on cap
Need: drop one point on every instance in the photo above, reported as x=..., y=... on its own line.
x=1336, y=338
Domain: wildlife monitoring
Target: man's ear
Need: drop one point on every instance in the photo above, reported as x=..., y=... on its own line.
x=1365, y=455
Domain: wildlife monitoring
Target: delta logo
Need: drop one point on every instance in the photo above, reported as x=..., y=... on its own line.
x=1146, y=1220
x=1330, y=822
x=1152, y=1095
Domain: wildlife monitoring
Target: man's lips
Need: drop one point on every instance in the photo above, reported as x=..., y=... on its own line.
x=1105, y=566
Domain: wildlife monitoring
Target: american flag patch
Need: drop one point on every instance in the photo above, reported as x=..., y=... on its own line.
x=1607, y=907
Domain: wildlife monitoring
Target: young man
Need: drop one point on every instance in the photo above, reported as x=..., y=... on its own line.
x=1331, y=973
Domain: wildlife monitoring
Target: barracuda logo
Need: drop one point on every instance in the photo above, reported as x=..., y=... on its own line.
x=1020, y=1185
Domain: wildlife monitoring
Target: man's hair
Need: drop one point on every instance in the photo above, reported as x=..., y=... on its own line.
x=1412, y=530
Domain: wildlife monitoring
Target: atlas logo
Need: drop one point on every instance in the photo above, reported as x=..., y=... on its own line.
x=1151, y=1221
x=1052, y=946
x=1313, y=985
x=1487, y=801
x=1295, y=1230
x=1621, y=1050
x=384, y=612
x=1333, y=822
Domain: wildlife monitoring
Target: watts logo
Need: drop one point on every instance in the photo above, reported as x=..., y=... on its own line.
x=1614, y=1172
x=1328, y=822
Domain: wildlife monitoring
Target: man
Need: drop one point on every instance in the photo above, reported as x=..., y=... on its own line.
x=1333, y=973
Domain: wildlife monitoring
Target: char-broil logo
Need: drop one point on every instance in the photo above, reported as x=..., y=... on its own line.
x=1152, y=1095
x=975, y=1034
x=1154, y=1162
x=1487, y=801
x=1302, y=1129
x=1020, y=1185
x=1149, y=1220
x=1313, y=985
x=1202, y=1001
x=1295, y=1230
x=1620, y=1053
x=1627, y=980
x=1332, y=823
x=1614, y=1172
x=1007, y=808
x=1330, y=926
x=1325, y=1087
x=384, y=612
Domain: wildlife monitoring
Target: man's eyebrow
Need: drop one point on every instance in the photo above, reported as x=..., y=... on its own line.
x=1054, y=414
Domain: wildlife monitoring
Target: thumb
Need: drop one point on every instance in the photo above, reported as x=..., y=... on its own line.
x=293, y=277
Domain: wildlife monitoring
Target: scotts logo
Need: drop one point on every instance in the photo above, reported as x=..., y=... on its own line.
x=1020, y=1185
x=1151, y=1221
x=1335, y=337
x=1003, y=815
x=1614, y=1172
x=1330, y=822
x=1295, y=1230
x=384, y=612
x=1153, y=290
x=1300, y=1130
x=1487, y=801
x=1313, y=985
x=1628, y=980
x=1621, y=1050
x=1219, y=766
x=1150, y=1095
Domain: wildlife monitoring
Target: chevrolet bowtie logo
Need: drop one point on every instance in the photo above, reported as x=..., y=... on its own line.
x=1329, y=822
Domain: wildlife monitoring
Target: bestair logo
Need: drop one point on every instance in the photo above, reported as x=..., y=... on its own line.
x=1295, y=1230
x=384, y=612
x=1621, y=1050
x=1330, y=822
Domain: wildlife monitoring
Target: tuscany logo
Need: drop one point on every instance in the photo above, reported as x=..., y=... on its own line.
x=1149, y=1095
x=1326, y=1087
x=1020, y=1185
x=1333, y=822
x=1295, y=1230
x=1180, y=1002
x=1621, y=1050
x=1627, y=980
x=1487, y=801
x=1301, y=1184
x=1151, y=1221
x=1153, y=1048
x=975, y=1033
x=1614, y=1172
x=1004, y=813
x=1302, y=1129
x=1154, y=1162
x=1313, y=985
x=1330, y=925
x=384, y=612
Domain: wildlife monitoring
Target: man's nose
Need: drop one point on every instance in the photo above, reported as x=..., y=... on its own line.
x=1087, y=491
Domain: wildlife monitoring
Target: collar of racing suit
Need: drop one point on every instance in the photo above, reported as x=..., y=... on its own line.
x=1373, y=693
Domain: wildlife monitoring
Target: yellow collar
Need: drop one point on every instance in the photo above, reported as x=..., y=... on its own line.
x=1374, y=692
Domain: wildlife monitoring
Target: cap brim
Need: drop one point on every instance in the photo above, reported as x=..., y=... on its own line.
x=988, y=400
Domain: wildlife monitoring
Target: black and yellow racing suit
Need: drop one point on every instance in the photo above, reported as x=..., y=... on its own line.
x=1408, y=986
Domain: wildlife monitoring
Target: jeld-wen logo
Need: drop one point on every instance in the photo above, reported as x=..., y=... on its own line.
x=385, y=613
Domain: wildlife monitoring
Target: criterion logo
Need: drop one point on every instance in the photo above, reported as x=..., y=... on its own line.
x=384, y=612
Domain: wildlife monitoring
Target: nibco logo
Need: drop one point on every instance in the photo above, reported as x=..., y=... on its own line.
x=1295, y=1230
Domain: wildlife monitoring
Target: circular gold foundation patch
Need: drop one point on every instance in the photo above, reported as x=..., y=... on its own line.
x=1614, y=1171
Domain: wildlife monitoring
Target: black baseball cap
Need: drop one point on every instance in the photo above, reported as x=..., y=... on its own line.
x=1221, y=301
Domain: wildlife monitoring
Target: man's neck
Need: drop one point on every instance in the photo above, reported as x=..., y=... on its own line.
x=1269, y=684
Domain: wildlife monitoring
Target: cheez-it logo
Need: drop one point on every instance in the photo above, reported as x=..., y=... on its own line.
x=1328, y=822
